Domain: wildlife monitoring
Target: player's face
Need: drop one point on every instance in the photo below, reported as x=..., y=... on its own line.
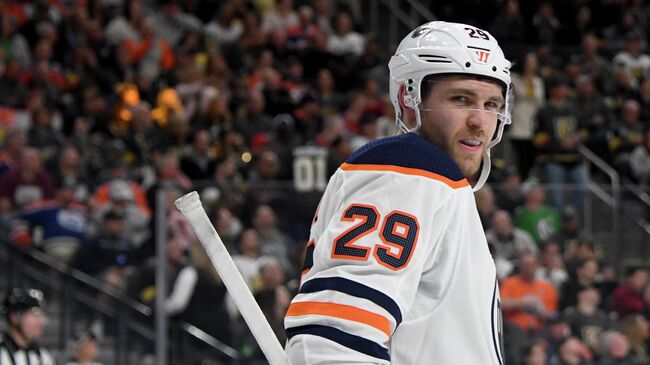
x=460, y=116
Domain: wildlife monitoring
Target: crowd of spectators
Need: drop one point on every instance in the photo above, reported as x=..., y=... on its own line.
x=105, y=103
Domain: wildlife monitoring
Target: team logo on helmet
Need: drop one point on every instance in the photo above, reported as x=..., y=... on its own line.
x=482, y=56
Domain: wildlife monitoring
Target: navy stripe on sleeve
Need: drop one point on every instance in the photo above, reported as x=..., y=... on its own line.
x=355, y=289
x=353, y=342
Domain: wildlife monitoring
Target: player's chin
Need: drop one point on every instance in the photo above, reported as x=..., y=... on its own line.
x=470, y=166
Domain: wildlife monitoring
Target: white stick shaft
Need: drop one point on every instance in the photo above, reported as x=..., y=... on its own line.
x=191, y=207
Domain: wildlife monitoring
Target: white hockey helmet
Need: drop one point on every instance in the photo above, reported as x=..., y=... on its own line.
x=438, y=48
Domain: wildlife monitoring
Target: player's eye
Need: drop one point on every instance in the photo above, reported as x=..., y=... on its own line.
x=460, y=99
x=493, y=106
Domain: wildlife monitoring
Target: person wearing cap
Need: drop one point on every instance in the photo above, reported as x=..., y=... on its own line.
x=26, y=319
x=570, y=231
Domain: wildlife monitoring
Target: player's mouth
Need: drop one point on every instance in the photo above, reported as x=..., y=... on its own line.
x=471, y=145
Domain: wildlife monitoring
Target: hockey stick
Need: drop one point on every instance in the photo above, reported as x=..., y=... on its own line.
x=191, y=207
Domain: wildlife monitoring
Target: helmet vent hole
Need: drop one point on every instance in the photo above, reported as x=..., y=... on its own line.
x=467, y=64
x=494, y=68
x=434, y=58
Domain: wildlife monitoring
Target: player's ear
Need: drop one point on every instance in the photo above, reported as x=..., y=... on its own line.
x=406, y=103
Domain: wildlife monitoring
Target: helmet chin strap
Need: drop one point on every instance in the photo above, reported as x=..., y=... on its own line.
x=485, y=171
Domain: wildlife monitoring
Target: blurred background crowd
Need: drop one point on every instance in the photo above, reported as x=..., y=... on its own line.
x=255, y=103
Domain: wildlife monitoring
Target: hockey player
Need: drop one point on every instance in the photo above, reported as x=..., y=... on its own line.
x=26, y=320
x=397, y=267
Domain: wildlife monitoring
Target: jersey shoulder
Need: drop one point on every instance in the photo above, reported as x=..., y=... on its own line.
x=408, y=154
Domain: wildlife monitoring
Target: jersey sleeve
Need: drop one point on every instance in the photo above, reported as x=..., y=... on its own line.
x=374, y=233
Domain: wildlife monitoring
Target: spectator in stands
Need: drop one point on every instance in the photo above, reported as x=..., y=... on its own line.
x=615, y=350
x=280, y=19
x=558, y=134
x=626, y=135
x=199, y=163
x=224, y=29
x=16, y=46
x=253, y=119
x=12, y=147
x=570, y=231
x=266, y=169
x=25, y=184
x=627, y=298
x=194, y=92
x=277, y=97
x=526, y=301
x=637, y=329
x=170, y=22
x=248, y=257
x=573, y=352
x=584, y=276
x=61, y=220
x=85, y=350
x=530, y=93
x=594, y=65
x=205, y=305
x=43, y=134
x=168, y=175
x=631, y=59
x=308, y=121
x=126, y=25
x=70, y=171
x=368, y=131
x=273, y=242
x=273, y=296
x=535, y=354
x=551, y=265
x=151, y=51
x=228, y=225
x=109, y=253
x=254, y=38
x=594, y=113
x=143, y=135
x=587, y=321
x=535, y=217
x=24, y=311
x=545, y=23
x=331, y=102
x=509, y=27
x=578, y=252
x=510, y=242
x=345, y=41
x=129, y=199
x=508, y=194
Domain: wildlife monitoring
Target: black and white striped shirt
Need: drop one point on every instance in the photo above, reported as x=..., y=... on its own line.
x=12, y=354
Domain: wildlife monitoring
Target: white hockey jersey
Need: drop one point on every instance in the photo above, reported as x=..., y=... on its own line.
x=397, y=269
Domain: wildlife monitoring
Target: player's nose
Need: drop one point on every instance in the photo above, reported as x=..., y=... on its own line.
x=477, y=119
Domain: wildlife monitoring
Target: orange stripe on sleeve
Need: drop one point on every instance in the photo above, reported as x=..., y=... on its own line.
x=407, y=171
x=341, y=311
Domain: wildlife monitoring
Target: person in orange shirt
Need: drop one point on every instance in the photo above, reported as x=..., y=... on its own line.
x=526, y=301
